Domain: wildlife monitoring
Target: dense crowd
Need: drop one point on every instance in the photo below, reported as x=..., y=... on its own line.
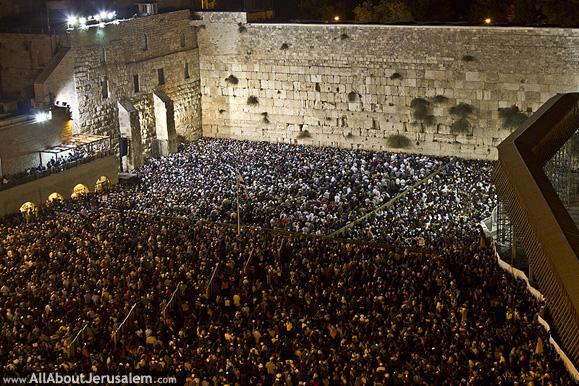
x=450, y=205
x=112, y=285
x=295, y=188
x=54, y=165
x=280, y=309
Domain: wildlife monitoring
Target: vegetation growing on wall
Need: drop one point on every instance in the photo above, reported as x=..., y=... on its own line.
x=304, y=134
x=462, y=113
x=232, y=79
x=252, y=100
x=398, y=141
x=242, y=28
x=422, y=111
x=344, y=36
x=396, y=76
x=265, y=117
x=512, y=117
x=352, y=96
x=468, y=58
x=440, y=99
x=284, y=46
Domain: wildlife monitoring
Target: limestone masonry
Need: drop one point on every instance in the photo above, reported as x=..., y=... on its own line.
x=356, y=86
x=424, y=89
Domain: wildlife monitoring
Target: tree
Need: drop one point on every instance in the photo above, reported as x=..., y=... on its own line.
x=321, y=9
x=524, y=12
x=385, y=11
x=561, y=12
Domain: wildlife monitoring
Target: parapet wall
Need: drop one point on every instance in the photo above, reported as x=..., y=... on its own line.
x=357, y=85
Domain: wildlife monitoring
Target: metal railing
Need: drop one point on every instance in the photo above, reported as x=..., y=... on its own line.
x=35, y=175
x=539, y=218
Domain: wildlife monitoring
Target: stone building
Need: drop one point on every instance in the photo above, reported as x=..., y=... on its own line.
x=137, y=80
x=152, y=81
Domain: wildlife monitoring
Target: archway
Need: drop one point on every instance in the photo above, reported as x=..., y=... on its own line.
x=28, y=209
x=55, y=197
x=79, y=191
x=103, y=185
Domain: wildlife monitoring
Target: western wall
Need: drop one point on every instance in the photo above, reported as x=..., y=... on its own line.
x=357, y=86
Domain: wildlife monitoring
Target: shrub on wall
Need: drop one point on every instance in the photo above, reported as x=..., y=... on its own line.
x=265, y=117
x=396, y=76
x=440, y=99
x=352, y=96
x=512, y=117
x=242, y=28
x=304, y=134
x=422, y=111
x=252, y=100
x=344, y=36
x=461, y=125
x=462, y=112
x=468, y=58
x=284, y=46
x=232, y=79
x=398, y=141
x=420, y=107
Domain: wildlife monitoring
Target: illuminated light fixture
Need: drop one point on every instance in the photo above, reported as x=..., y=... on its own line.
x=103, y=15
x=101, y=25
x=488, y=21
x=96, y=17
x=111, y=15
x=43, y=116
x=72, y=21
x=82, y=20
x=336, y=18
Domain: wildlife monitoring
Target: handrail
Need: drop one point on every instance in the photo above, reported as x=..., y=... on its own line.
x=45, y=173
x=170, y=300
x=540, y=221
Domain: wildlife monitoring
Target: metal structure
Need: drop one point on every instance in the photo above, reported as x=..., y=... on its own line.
x=540, y=220
x=561, y=171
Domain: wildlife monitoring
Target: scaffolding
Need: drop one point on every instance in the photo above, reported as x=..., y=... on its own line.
x=562, y=170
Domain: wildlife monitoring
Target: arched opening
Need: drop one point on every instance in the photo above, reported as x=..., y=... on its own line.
x=28, y=208
x=55, y=197
x=80, y=190
x=103, y=185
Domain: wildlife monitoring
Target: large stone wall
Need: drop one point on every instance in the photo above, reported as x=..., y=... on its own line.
x=353, y=85
x=139, y=47
x=22, y=58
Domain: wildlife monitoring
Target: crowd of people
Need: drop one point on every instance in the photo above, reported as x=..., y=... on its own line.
x=55, y=164
x=294, y=188
x=116, y=285
x=451, y=204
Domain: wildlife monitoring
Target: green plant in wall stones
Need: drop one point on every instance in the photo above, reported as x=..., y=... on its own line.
x=304, y=134
x=284, y=47
x=398, y=141
x=440, y=99
x=344, y=36
x=242, y=28
x=232, y=79
x=396, y=76
x=462, y=113
x=468, y=58
x=265, y=118
x=512, y=117
x=421, y=111
x=352, y=96
x=252, y=100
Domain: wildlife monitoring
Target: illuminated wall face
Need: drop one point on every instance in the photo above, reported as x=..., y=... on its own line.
x=30, y=136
